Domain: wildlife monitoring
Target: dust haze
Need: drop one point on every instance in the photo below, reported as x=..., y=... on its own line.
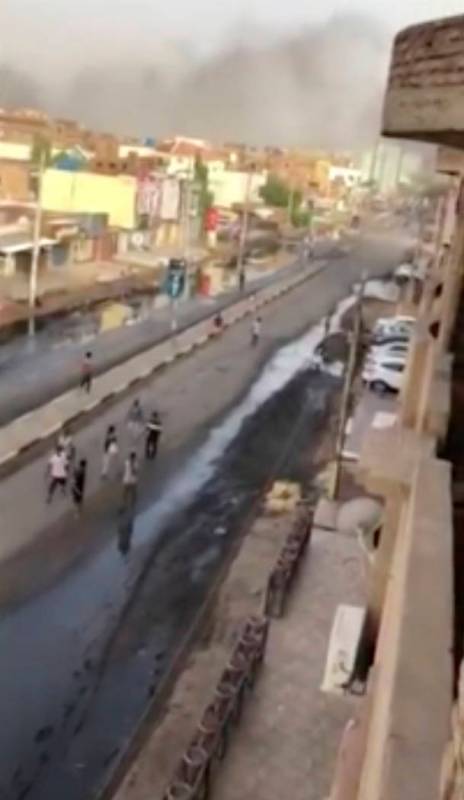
x=321, y=87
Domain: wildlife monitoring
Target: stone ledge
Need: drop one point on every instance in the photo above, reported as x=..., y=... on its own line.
x=439, y=409
x=389, y=458
x=412, y=692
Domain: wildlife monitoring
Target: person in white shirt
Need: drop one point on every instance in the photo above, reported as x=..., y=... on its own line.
x=110, y=452
x=57, y=472
x=255, y=331
x=130, y=480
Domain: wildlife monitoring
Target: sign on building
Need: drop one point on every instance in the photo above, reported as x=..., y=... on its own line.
x=170, y=200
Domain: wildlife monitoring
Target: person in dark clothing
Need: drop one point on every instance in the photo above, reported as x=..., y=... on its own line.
x=78, y=485
x=218, y=322
x=154, y=429
x=87, y=372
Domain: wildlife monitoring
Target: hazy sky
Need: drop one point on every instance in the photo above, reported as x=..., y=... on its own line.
x=55, y=30
x=274, y=71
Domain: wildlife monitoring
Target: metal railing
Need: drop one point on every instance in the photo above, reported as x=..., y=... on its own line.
x=192, y=779
x=285, y=569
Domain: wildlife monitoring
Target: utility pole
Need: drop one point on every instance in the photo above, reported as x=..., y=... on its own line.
x=399, y=168
x=374, y=160
x=291, y=203
x=33, y=275
x=186, y=219
x=346, y=394
x=243, y=234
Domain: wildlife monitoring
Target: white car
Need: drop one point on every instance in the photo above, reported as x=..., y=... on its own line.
x=406, y=271
x=389, y=323
x=400, y=329
x=379, y=351
x=385, y=375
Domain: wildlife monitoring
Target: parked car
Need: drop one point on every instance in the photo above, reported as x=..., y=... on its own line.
x=394, y=324
x=384, y=339
x=405, y=272
x=386, y=375
x=401, y=330
x=379, y=351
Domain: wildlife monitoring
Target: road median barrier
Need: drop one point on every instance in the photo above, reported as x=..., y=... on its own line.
x=30, y=430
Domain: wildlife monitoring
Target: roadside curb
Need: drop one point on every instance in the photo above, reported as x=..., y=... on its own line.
x=234, y=313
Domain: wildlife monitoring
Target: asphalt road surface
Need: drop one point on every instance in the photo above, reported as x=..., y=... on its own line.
x=86, y=632
x=32, y=373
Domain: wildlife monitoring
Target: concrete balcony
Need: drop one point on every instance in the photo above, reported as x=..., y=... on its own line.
x=450, y=161
x=425, y=93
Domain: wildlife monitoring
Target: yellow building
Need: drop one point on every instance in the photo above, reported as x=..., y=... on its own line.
x=88, y=193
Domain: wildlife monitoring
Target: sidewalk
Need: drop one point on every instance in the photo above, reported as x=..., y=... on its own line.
x=286, y=743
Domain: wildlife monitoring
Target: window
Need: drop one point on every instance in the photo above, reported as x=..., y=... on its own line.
x=394, y=367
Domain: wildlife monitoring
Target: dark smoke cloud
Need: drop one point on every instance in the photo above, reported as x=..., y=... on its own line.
x=18, y=88
x=321, y=87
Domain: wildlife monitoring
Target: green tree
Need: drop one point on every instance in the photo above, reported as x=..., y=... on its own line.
x=276, y=192
x=41, y=152
x=201, y=178
x=301, y=218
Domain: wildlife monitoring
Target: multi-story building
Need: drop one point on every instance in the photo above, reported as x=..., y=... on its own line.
x=407, y=739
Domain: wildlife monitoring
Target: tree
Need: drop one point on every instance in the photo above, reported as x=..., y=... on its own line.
x=276, y=192
x=301, y=218
x=205, y=196
x=41, y=153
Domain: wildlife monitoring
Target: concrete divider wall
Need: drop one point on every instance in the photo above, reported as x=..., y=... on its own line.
x=46, y=421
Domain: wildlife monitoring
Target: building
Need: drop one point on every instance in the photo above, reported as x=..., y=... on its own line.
x=14, y=180
x=23, y=124
x=90, y=193
x=389, y=165
x=407, y=739
x=233, y=188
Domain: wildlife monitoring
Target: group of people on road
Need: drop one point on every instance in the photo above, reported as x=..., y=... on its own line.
x=65, y=471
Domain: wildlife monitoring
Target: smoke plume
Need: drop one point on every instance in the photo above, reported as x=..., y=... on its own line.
x=321, y=87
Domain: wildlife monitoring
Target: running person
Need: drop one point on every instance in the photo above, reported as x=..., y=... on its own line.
x=78, y=485
x=154, y=429
x=255, y=331
x=58, y=473
x=87, y=372
x=110, y=451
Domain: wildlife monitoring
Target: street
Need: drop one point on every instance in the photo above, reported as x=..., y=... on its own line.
x=32, y=373
x=78, y=643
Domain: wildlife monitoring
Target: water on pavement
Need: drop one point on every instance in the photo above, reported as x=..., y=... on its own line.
x=70, y=693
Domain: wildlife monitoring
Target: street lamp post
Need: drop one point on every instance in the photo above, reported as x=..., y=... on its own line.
x=243, y=233
x=33, y=275
x=350, y=369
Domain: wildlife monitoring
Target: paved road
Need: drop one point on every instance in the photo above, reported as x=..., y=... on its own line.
x=63, y=598
x=32, y=375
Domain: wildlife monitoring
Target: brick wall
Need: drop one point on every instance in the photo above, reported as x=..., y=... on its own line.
x=425, y=93
x=429, y=55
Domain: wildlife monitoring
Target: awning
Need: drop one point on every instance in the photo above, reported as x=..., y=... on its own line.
x=24, y=246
